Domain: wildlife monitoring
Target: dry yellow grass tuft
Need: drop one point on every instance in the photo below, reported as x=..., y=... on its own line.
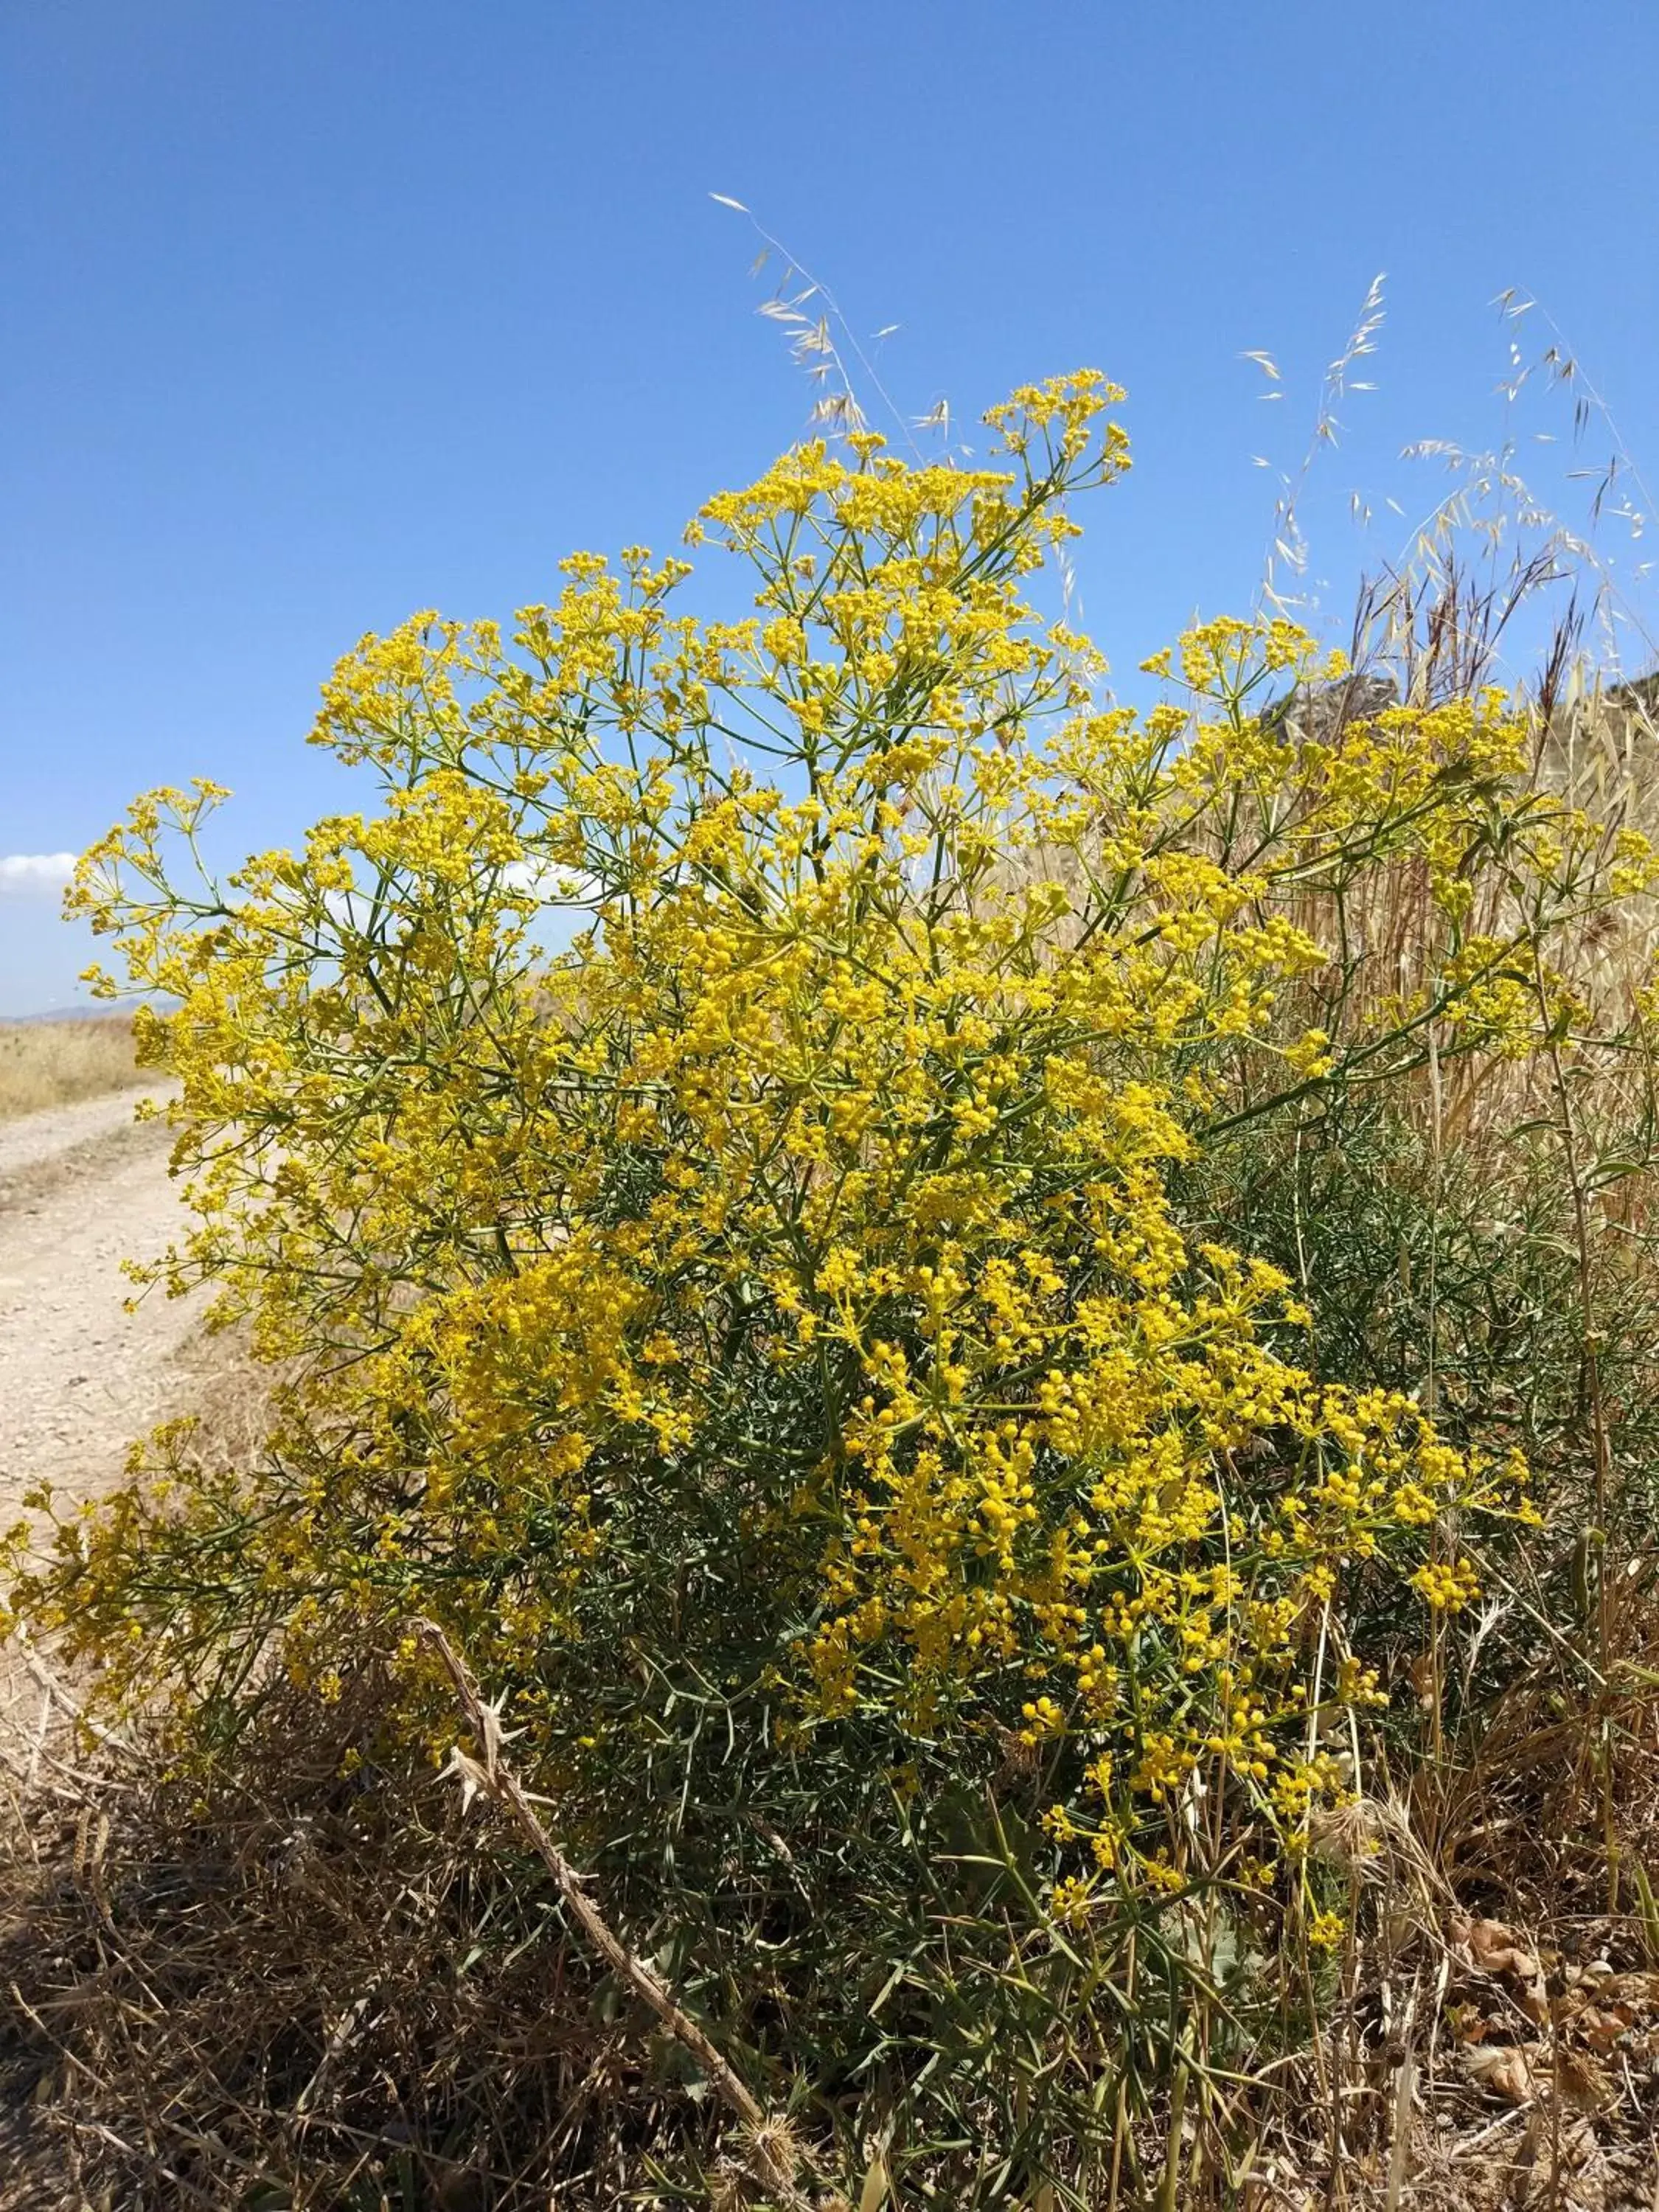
x=54, y=1063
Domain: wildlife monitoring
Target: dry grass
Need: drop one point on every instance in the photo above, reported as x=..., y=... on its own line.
x=54, y=1063
x=285, y=2001
x=316, y=1985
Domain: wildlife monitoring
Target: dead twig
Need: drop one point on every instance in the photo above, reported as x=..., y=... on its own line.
x=775, y=2155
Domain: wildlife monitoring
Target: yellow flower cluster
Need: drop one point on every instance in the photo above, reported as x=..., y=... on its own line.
x=728, y=1103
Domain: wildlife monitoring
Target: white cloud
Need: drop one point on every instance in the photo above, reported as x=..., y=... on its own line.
x=28, y=872
x=554, y=886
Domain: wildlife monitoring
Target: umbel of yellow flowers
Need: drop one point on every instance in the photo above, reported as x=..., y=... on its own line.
x=707, y=1144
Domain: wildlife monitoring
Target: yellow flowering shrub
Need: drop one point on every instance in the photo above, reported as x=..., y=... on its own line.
x=707, y=1142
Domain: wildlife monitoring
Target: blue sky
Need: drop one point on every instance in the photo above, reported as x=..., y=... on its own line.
x=318, y=311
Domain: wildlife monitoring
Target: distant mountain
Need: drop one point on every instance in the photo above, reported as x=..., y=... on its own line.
x=83, y=1010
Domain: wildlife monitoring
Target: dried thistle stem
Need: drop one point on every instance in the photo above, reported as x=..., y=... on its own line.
x=490, y=1776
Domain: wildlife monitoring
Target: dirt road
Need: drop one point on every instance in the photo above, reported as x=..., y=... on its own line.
x=82, y=1189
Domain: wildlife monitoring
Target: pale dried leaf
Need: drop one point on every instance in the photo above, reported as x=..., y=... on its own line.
x=1582, y=2082
x=1501, y=2069
x=1492, y=1948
